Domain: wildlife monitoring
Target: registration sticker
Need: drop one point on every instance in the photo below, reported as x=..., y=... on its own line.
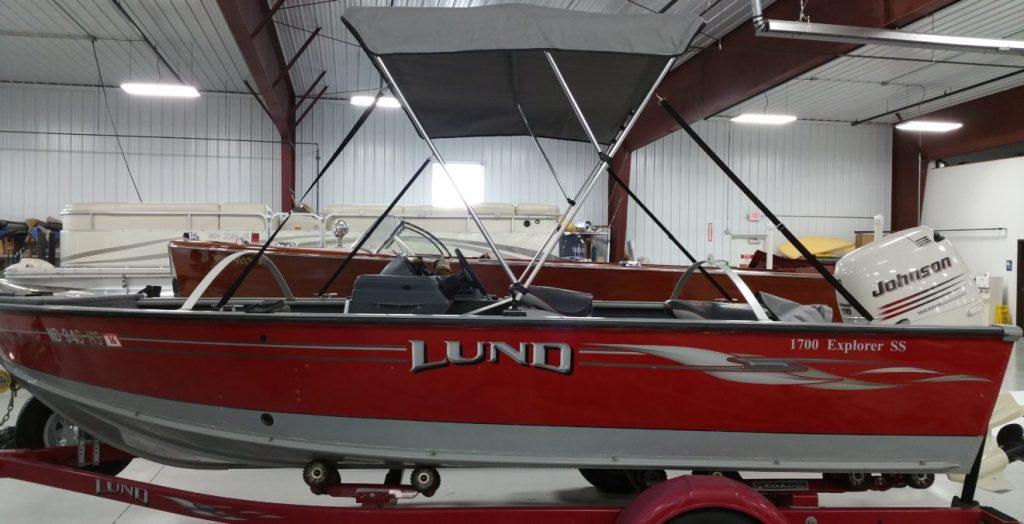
x=111, y=340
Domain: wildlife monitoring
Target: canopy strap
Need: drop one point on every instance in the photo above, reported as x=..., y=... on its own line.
x=362, y=240
x=679, y=245
x=259, y=254
x=829, y=277
x=551, y=167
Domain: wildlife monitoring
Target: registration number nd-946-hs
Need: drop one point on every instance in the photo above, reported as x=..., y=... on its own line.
x=83, y=337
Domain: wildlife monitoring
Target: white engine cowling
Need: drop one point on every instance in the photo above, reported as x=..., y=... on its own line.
x=914, y=276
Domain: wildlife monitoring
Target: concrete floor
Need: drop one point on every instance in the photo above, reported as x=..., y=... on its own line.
x=22, y=502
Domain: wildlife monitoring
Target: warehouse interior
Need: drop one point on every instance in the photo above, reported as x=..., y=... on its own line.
x=287, y=119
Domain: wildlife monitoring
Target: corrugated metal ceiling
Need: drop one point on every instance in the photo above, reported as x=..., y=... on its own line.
x=850, y=89
x=50, y=41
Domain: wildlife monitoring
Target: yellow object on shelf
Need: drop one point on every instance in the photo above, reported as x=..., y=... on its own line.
x=818, y=246
x=1002, y=314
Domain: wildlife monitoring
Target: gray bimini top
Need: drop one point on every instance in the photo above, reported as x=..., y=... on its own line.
x=463, y=70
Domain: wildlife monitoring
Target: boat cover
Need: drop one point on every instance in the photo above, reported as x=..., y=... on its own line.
x=463, y=70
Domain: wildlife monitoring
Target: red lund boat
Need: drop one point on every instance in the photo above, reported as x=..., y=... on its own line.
x=217, y=389
x=414, y=369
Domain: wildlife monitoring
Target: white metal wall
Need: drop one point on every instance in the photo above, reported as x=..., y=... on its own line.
x=226, y=152
x=821, y=179
x=49, y=158
x=387, y=151
x=981, y=195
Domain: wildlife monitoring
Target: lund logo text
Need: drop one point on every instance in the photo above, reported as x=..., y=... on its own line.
x=540, y=355
x=109, y=487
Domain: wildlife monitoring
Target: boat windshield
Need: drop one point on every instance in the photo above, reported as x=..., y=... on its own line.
x=399, y=237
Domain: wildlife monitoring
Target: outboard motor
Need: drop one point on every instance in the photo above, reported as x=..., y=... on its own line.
x=912, y=276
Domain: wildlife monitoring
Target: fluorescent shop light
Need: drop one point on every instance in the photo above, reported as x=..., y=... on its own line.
x=172, y=90
x=761, y=118
x=929, y=126
x=385, y=101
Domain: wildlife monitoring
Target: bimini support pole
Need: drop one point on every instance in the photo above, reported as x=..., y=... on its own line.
x=530, y=273
x=764, y=209
x=544, y=154
x=664, y=229
x=611, y=172
x=263, y=249
x=376, y=223
x=397, y=91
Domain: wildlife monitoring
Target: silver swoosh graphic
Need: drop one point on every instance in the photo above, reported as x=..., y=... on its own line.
x=776, y=371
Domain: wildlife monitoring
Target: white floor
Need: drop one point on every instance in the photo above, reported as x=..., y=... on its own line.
x=22, y=502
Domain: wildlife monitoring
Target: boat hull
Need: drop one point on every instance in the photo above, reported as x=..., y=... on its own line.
x=234, y=389
x=182, y=436
x=307, y=269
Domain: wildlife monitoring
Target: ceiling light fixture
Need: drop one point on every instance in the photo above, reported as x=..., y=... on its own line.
x=385, y=101
x=927, y=126
x=171, y=90
x=762, y=118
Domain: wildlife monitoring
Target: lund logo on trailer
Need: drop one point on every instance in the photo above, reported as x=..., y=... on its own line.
x=109, y=487
x=903, y=279
x=533, y=354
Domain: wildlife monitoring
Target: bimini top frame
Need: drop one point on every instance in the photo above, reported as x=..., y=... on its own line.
x=518, y=70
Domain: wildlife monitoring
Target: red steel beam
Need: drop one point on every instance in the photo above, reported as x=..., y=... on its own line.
x=990, y=121
x=265, y=60
x=618, y=204
x=715, y=80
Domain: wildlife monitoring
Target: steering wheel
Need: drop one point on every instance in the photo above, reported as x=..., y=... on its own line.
x=468, y=271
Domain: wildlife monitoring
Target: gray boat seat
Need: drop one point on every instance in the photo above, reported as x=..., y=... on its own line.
x=778, y=308
x=397, y=294
x=785, y=310
x=709, y=310
x=561, y=301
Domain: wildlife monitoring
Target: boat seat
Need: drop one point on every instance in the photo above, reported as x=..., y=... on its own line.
x=397, y=294
x=709, y=310
x=785, y=310
x=778, y=308
x=557, y=300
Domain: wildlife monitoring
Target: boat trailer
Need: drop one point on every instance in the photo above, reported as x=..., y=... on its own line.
x=697, y=498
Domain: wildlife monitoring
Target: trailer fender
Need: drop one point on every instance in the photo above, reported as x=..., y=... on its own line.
x=681, y=495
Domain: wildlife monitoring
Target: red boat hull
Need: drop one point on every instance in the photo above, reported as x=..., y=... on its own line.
x=306, y=270
x=887, y=396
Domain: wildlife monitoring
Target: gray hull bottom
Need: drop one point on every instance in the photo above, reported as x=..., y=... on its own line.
x=204, y=436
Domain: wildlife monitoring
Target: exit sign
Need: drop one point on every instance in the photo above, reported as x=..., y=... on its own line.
x=754, y=216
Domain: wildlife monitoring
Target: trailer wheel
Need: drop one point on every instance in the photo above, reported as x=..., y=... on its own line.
x=858, y=480
x=394, y=476
x=729, y=474
x=425, y=480
x=920, y=480
x=712, y=516
x=7, y=438
x=645, y=478
x=318, y=474
x=39, y=427
x=609, y=480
